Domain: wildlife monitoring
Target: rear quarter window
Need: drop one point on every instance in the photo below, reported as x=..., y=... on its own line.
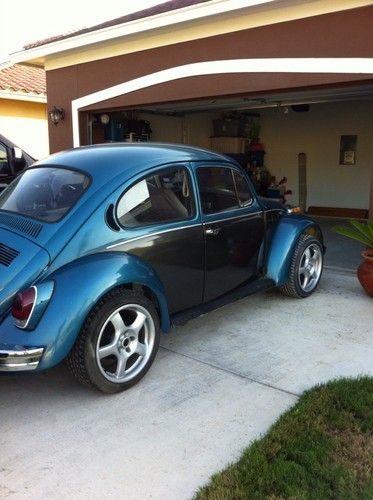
x=165, y=196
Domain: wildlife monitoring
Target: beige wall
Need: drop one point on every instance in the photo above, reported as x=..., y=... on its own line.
x=194, y=129
x=25, y=123
x=317, y=133
x=164, y=128
x=199, y=127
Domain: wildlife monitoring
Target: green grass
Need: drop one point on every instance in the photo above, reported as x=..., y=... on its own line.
x=322, y=448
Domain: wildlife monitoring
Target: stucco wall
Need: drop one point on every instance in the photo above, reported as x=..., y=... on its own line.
x=345, y=34
x=25, y=123
x=317, y=133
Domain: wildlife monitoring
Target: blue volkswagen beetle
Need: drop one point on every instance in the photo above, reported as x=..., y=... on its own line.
x=102, y=247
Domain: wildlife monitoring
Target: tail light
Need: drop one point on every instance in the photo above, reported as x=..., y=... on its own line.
x=23, y=306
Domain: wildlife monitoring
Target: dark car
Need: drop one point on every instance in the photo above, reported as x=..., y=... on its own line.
x=12, y=161
x=102, y=247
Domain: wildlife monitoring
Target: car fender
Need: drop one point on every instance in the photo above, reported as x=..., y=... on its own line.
x=283, y=243
x=78, y=286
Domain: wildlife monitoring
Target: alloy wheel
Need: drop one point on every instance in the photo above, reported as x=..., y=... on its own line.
x=125, y=343
x=310, y=267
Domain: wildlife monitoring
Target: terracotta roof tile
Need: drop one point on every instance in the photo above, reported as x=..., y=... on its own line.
x=152, y=11
x=21, y=78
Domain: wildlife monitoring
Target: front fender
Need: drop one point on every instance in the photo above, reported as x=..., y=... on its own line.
x=78, y=286
x=283, y=243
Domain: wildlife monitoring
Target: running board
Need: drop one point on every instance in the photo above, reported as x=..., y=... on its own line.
x=181, y=318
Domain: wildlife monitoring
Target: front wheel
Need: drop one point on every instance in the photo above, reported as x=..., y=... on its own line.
x=305, y=269
x=117, y=343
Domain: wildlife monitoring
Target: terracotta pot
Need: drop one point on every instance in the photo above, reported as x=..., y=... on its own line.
x=365, y=272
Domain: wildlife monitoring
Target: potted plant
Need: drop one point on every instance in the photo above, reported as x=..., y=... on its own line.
x=362, y=232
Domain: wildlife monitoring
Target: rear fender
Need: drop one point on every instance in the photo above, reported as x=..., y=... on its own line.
x=283, y=243
x=78, y=286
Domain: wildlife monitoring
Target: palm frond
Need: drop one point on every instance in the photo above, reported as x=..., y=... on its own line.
x=363, y=228
x=359, y=231
x=370, y=227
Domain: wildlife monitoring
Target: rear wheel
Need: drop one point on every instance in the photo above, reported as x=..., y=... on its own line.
x=117, y=343
x=306, y=268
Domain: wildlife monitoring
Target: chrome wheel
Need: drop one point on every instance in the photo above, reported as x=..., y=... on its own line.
x=310, y=267
x=125, y=343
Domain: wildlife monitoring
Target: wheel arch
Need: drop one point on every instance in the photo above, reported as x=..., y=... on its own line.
x=283, y=243
x=100, y=274
x=147, y=291
x=91, y=357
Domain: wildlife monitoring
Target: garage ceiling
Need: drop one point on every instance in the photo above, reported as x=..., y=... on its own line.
x=260, y=101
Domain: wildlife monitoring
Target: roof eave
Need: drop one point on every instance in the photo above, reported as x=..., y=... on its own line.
x=23, y=96
x=37, y=55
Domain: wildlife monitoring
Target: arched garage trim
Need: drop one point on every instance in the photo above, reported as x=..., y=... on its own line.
x=270, y=65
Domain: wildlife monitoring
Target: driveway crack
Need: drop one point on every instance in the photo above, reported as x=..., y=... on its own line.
x=232, y=372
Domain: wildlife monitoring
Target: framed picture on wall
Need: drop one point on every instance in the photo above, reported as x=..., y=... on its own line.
x=347, y=150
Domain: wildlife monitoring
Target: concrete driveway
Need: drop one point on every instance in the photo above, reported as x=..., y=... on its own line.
x=218, y=383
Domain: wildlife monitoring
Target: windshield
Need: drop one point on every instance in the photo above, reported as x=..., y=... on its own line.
x=44, y=193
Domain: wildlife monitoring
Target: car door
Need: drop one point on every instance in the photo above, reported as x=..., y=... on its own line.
x=160, y=213
x=233, y=224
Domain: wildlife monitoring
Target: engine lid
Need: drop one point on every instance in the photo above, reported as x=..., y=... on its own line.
x=21, y=262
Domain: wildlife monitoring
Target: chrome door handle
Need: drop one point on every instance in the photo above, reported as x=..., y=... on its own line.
x=213, y=231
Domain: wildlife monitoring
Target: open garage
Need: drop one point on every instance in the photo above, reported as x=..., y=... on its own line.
x=287, y=90
x=298, y=137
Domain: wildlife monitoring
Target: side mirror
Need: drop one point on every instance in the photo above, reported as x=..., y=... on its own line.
x=19, y=161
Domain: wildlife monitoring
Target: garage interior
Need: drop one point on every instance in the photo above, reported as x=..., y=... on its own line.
x=318, y=139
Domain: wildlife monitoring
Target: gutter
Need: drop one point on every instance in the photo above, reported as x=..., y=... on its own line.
x=186, y=14
x=22, y=96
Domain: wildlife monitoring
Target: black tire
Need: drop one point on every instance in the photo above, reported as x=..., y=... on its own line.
x=298, y=285
x=111, y=329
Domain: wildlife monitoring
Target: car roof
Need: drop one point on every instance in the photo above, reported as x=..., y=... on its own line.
x=110, y=160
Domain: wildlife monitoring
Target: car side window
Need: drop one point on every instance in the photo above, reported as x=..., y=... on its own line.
x=217, y=189
x=162, y=197
x=243, y=189
x=4, y=160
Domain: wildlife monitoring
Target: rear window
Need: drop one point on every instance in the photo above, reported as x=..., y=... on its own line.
x=45, y=194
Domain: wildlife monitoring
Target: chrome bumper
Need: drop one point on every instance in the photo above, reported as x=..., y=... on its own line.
x=19, y=358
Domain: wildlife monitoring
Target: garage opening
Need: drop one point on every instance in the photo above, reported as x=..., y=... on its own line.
x=311, y=148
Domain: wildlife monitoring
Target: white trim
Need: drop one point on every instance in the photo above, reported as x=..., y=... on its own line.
x=189, y=226
x=149, y=235
x=340, y=65
x=19, y=96
x=186, y=14
x=207, y=222
x=5, y=64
